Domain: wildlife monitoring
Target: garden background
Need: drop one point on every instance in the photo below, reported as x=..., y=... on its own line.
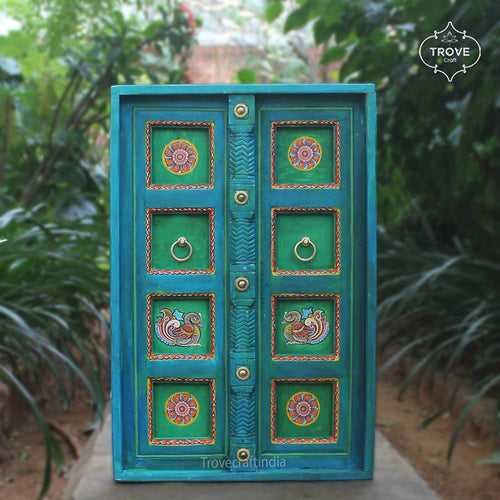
x=438, y=208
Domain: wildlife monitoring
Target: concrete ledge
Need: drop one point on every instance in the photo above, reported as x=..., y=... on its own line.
x=394, y=479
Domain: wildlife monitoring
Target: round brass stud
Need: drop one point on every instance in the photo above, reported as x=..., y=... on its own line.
x=241, y=197
x=241, y=283
x=243, y=455
x=240, y=110
x=243, y=372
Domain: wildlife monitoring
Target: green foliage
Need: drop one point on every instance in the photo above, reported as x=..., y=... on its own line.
x=61, y=107
x=273, y=10
x=275, y=57
x=246, y=75
x=427, y=310
x=56, y=69
x=50, y=285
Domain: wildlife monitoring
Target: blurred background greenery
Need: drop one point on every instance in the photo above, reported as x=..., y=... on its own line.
x=438, y=172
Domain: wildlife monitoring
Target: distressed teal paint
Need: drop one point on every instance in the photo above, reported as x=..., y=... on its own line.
x=243, y=321
x=243, y=308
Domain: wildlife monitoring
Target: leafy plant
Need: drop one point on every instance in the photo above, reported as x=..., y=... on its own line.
x=56, y=67
x=443, y=309
x=266, y=54
x=50, y=293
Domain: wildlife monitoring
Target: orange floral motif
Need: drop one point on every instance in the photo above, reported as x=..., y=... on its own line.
x=181, y=408
x=304, y=153
x=303, y=408
x=180, y=157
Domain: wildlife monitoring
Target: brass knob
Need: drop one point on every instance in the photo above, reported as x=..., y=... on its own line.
x=243, y=372
x=243, y=455
x=241, y=283
x=241, y=197
x=240, y=110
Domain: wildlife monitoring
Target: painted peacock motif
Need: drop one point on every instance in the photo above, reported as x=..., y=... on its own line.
x=179, y=329
x=308, y=327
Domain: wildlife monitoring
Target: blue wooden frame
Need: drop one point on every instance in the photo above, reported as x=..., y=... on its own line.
x=121, y=103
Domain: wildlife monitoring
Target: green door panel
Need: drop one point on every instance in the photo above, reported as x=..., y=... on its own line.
x=198, y=167
x=291, y=225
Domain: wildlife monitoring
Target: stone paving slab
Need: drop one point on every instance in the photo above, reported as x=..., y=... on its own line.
x=395, y=479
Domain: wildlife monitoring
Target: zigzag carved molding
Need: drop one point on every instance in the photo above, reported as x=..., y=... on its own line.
x=242, y=154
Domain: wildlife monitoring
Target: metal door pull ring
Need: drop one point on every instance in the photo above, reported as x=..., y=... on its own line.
x=181, y=242
x=305, y=242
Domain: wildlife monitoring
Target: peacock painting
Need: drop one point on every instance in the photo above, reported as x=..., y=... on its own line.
x=178, y=328
x=307, y=327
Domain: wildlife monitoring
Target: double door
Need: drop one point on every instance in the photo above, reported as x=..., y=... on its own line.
x=243, y=282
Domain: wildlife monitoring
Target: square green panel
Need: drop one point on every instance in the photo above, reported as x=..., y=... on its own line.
x=181, y=411
x=305, y=154
x=306, y=327
x=181, y=326
x=304, y=411
x=310, y=234
x=180, y=155
x=180, y=241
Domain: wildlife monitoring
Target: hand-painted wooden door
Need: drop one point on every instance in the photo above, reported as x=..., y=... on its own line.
x=243, y=282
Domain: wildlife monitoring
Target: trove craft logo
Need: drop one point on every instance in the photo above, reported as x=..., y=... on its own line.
x=450, y=51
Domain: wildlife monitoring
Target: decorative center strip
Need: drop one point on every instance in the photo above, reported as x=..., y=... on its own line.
x=242, y=261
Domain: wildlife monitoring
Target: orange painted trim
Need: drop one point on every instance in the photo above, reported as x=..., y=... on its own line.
x=335, y=411
x=149, y=321
x=300, y=272
x=301, y=123
x=180, y=442
x=211, y=214
x=149, y=157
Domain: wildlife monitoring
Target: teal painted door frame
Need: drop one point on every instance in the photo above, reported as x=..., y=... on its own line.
x=243, y=282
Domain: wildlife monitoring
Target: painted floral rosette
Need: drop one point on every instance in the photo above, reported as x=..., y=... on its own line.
x=303, y=408
x=304, y=153
x=181, y=408
x=180, y=157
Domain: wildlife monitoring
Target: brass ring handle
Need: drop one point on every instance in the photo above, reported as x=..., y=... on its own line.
x=181, y=242
x=306, y=242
